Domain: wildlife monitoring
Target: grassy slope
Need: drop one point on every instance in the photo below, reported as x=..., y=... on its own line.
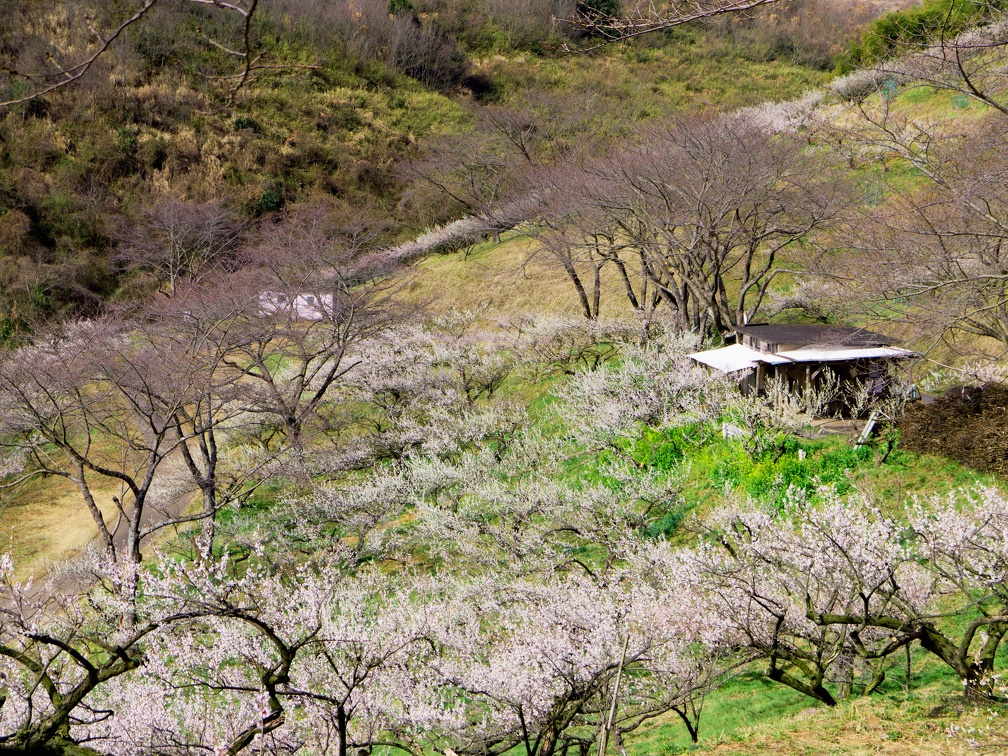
x=303, y=131
x=750, y=715
x=46, y=521
x=77, y=169
x=335, y=131
x=508, y=280
x=660, y=76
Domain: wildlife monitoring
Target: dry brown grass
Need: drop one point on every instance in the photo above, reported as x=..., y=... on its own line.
x=856, y=729
x=47, y=520
x=506, y=280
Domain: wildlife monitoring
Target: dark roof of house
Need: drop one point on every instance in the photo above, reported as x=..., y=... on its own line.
x=815, y=335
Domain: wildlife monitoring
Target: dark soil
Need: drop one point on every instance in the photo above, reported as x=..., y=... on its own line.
x=968, y=424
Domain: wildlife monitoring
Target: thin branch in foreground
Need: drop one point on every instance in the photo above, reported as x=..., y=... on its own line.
x=652, y=18
x=74, y=73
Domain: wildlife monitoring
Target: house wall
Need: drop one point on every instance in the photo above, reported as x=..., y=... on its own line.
x=768, y=347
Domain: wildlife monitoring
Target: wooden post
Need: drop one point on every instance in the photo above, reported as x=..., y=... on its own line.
x=612, y=709
x=760, y=375
x=808, y=390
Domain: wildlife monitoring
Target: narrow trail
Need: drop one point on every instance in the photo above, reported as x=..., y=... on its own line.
x=53, y=579
x=56, y=580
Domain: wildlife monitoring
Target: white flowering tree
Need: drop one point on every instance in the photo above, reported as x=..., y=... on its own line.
x=655, y=384
x=277, y=656
x=396, y=400
x=59, y=643
x=779, y=580
x=964, y=546
x=569, y=345
x=533, y=664
x=826, y=584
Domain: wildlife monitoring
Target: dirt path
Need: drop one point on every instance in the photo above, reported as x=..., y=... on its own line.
x=168, y=500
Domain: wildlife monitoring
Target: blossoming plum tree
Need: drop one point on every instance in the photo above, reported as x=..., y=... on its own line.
x=829, y=583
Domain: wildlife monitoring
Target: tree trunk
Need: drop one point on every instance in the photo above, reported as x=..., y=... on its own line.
x=548, y=740
x=692, y=727
x=103, y=533
x=341, y=723
x=209, y=527
x=813, y=690
x=582, y=294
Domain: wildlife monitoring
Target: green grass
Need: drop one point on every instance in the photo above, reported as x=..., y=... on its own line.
x=744, y=702
x=765, y=467
x=667, y=75
x=751, y=714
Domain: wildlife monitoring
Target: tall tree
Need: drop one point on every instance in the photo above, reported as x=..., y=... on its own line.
x=938, y=246
x=180, y=243
x=311, y=290
x=708, y=207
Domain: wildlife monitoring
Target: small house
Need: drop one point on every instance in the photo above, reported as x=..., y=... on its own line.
x=298, y=306
x=802, y=356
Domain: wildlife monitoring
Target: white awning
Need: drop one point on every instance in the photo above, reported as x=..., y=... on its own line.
x=736, y=357
x=731, y=359
x=844, y=354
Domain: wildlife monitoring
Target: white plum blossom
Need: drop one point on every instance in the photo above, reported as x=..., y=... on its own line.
x=656, y=384
x=786, y=117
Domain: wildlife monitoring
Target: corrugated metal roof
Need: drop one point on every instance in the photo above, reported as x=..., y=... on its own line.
x=844, y=354
x=736, y=357
x=814, y=335
x=731, y=359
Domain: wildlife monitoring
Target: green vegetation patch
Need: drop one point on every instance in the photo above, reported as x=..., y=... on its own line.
x=913, y=27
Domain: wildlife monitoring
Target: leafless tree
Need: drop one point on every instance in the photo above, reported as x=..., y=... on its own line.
x=181, y=242
x=309, y=292
x=199, y=332
x=492, y=172
x=476, y=172
x=939, y=245
x=697, y=216
x=418, y=48
x=82, y=404
x=585, y=237
x=647, y=16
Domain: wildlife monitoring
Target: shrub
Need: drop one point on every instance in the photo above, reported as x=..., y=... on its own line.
x=668, y=525
x=397, y=7
x=271, y=200
x=245, y=122
x=911, y=27
x=766, y=472
x=803, y=32
x=599, y=8
x=15, y=229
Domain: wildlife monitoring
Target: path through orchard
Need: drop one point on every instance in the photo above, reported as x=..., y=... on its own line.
x=167, y=503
